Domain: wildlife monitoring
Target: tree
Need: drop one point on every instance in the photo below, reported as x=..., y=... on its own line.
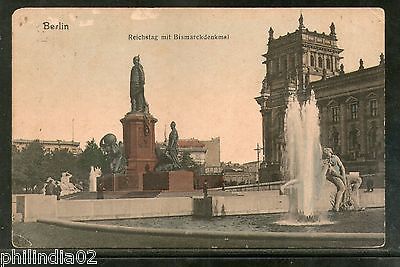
x=187, y=162
x=19, y=174
x=59, y=161
x=91, y=156
x=27, y=167
x=32, y=166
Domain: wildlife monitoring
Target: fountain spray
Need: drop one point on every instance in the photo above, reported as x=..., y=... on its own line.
x=303, y=156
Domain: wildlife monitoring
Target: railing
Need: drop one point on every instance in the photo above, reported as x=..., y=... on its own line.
x=251, y=187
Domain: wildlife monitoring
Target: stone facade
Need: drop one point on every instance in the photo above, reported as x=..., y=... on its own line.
x=351, y=105
x=195, y=148
x=213, y=154
x=352, y=117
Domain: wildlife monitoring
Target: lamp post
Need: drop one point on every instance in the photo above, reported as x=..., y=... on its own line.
x=258, y=149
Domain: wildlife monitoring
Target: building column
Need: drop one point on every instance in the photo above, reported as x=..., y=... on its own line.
x=279, y=65
x=362, y=112
x=267, y=123
x=322, y=123
x=381, y=127
x=343, y=129
x=271, y=70
x=287, y=63
x=306, y=58
x=263, y=132
x=336, y=66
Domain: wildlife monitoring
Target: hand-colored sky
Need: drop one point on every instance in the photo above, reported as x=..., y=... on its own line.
x=207, y=87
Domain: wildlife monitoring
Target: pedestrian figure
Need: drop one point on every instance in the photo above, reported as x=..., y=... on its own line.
x=370, y=185
x=50, y=187
x=57, y=190
x=100, y=188
x=205, y=189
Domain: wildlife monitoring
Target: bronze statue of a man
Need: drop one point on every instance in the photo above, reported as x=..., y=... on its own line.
x=138, y=102
x=168, y=159
x=172, y=148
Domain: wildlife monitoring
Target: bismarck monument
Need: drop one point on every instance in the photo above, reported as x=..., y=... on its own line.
x=137, y=164
x=138, y=132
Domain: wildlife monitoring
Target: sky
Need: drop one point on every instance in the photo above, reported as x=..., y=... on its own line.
x=75, y=83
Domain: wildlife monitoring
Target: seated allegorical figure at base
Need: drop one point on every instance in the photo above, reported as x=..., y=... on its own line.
x=114, y=152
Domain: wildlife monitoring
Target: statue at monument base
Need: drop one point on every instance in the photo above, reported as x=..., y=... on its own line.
x=168, y=174
x=168, y=157
x=114, y=153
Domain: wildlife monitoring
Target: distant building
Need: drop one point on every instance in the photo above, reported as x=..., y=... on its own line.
x=213, y=180
x=251, y=166
x=351, y=105
x=195, y=148
x=206, y=153
x=239, y=177
x=238, y=174
x=50, y=145
x=213, y=153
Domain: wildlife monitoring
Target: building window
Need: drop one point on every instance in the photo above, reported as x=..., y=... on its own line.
x=373, y=107
x=371, y=138
x=275, y=66
x=284, y=63
x=354, y=111
x=269, y=68
x=312, y=61
x=334, y=139
x=291, y=61
x=335, y=112
x=277, y=154
x=281, y=123
x=354, y=145
x=328, y=64
x=320, y=62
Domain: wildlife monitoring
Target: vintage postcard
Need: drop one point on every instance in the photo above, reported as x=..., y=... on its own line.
x=198, y=128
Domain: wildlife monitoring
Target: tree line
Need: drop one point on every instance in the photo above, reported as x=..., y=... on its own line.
x=32, y=165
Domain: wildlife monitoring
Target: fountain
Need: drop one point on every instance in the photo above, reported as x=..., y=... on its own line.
x=303, y=158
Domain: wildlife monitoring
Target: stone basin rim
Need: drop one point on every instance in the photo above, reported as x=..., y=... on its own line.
x=215, y=234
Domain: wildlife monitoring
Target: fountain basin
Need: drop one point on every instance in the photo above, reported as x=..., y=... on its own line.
x=349, y=229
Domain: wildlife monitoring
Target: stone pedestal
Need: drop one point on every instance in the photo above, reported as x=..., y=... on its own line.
x=139, y=145
x=202, y=207
x=119, y=182
x=169, y=181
